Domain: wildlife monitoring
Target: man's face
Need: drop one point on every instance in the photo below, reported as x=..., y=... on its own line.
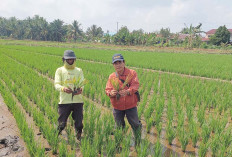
x=70, y=61
x=119, y=65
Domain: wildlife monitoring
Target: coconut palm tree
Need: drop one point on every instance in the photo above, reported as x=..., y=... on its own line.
x=75, y=30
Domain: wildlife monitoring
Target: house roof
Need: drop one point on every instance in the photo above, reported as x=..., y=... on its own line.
x=213, y=31
x=182, y=36
x=204, y=39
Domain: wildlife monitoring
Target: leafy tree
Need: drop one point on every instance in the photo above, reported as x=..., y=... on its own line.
x=5, y=29
x=20, y=31
x=74, y=31
x=11, y=27
x=185, y=30
x=94, y=33
x=137, y=37
x=193, y=34
x=122, y=36
x=150, y=39
x=165, y=33
x=222, y=35
x=57, y=30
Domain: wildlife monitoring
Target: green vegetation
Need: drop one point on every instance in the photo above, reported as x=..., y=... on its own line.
x=190, y=111
x=38, y=28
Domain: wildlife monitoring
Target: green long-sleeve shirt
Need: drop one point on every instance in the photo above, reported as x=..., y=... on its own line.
x=66, y=78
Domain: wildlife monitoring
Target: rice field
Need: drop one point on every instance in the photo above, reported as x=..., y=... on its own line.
x=185, y=105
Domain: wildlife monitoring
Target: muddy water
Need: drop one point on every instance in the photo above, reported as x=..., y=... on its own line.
x=167, y=150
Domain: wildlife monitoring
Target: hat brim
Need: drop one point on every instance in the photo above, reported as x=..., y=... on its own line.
x=117, y=60
x=69, y=57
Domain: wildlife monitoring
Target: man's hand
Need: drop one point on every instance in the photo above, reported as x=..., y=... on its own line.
x=67, y=90
x=123, y=92
x=79, y=92
x=113, y=93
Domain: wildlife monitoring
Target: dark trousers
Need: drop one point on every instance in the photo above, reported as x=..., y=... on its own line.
x=132, y=117
x=65, y=110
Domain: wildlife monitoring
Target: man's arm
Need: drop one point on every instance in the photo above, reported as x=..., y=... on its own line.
x=58, y=80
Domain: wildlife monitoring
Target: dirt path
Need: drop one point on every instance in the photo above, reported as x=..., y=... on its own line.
x=10, y=131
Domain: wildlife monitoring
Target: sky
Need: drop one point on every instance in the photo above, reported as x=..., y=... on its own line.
x=111, y=15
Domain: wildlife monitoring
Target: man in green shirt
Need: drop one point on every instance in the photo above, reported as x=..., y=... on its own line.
x=67, y=79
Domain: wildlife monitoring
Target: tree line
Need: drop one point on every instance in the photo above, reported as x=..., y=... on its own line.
x=37, y=28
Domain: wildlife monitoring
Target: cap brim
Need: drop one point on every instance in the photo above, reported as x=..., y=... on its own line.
x=118, y=60
x=69, y=57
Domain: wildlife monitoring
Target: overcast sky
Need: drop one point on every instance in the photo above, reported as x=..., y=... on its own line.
x=149, y=15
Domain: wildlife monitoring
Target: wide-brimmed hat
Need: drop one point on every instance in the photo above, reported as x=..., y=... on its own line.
x=69, y=54
x=117, y=57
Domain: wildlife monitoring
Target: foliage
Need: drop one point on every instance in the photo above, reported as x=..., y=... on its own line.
x=94, y=33
x=222, y=35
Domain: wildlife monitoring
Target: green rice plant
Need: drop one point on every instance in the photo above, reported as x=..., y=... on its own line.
x=214, y=144
x=143, y=149
x=72, y=153
x=92, y=94
x=118, y=136
x=170, y=132
x=222, y=150
x=142, y=105
x=205, y=133
x=217, y=124
x=108, y=123
x=214, y=122
x=203, y=148
x=180, y=120
x=190, y=110
x=108, y=103
x=194, y=135
x=183, y=138
x=158, y=116
x=126, y=146
x=149, y=124
x=103, y=99
x=226, y=138
x=90, y=123
x=54, y=140
x=221, y=124
x=230, y=113
x=176, y=155
x=159, y=128
x=88, y=148
x=110, y=148
x=220, y=109
x=157, y=149
x=99, y=136
x=86, y=91
x=40, y=152
x=170, y=111
x=63, y=152
x=149, y=110
x=229, y=152
x=99, y=141
x=71, y=136
x=201, y=115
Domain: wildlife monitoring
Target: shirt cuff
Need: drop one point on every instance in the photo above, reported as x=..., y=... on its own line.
x=62, y=89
